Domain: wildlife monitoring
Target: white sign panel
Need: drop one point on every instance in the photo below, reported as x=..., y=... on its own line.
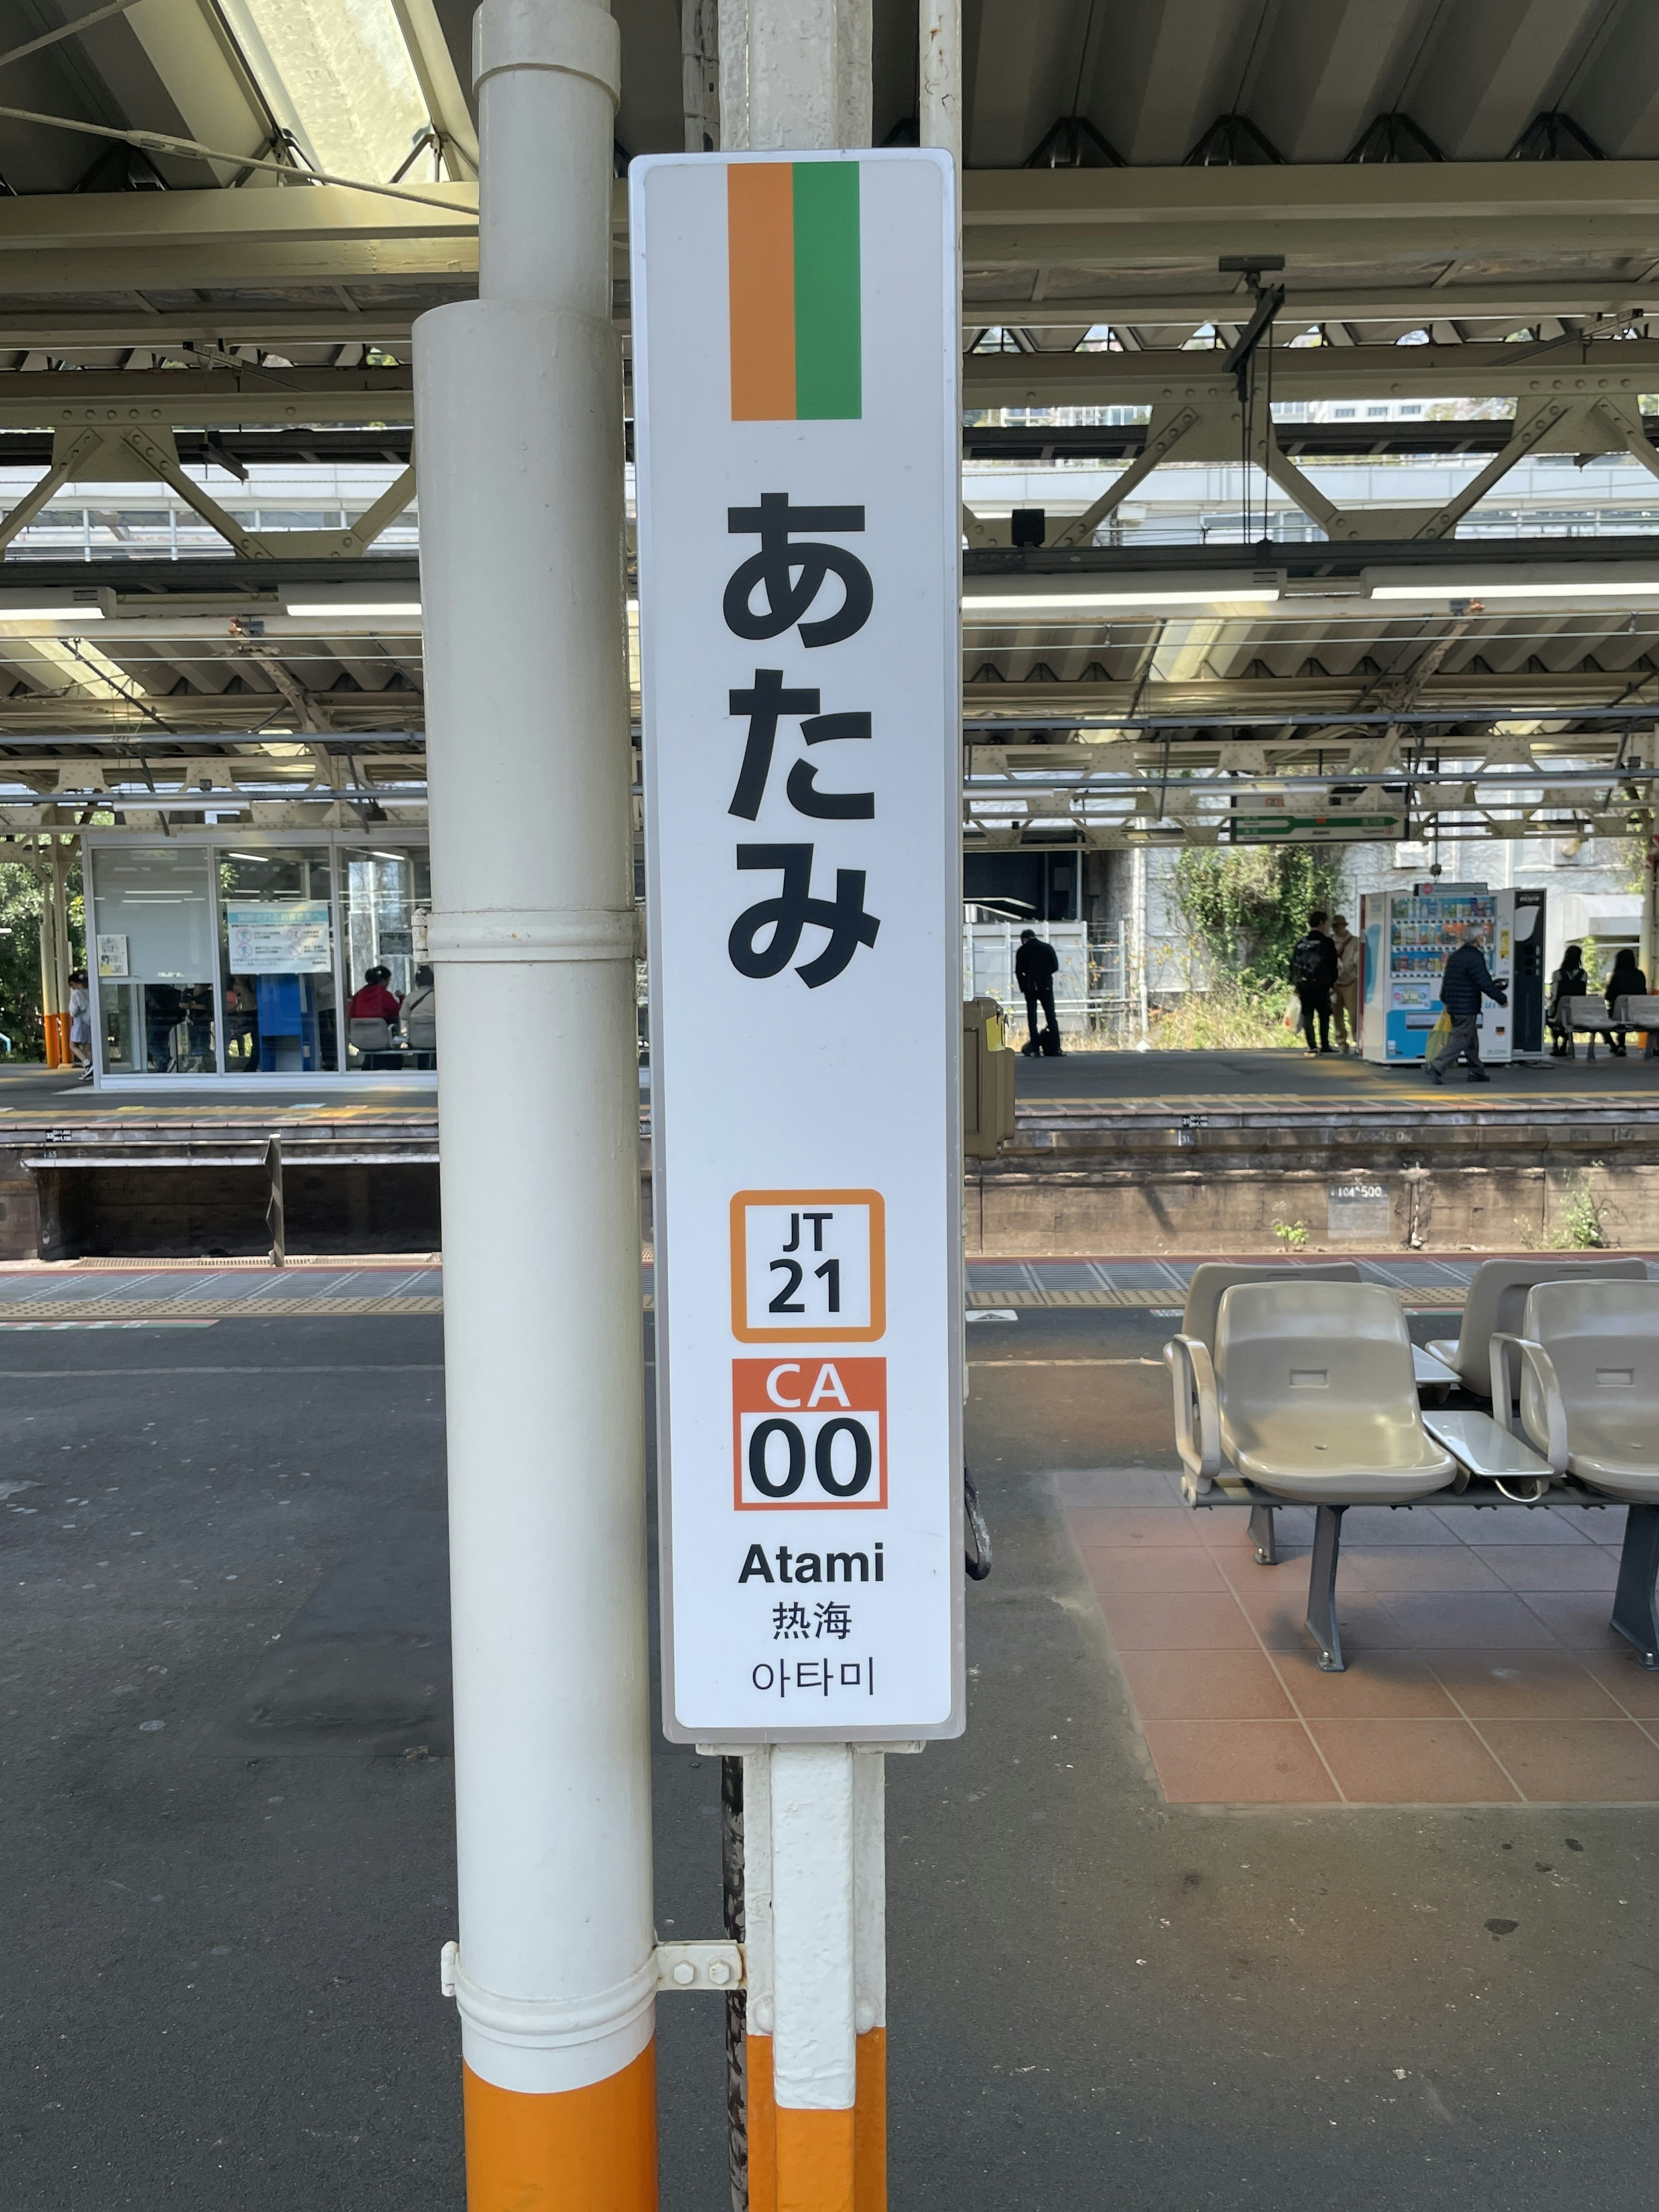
x=112, y=956
x=288, y=937
x=797, y=432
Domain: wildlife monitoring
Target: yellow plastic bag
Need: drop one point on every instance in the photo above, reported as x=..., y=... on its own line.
x=1439, y=1035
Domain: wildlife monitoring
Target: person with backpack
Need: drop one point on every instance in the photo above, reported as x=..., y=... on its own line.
x=1467, y=981
x=1036, y=966
x=1314, y=965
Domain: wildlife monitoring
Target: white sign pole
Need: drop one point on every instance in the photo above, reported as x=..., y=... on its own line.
x=797, y=433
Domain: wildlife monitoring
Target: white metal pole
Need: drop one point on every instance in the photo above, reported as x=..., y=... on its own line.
x=814, y=2038
x=519, y=415
x=796, y=77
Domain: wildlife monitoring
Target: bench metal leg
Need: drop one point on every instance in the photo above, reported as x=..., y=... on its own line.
x=1322, y=1588
x=1263, y=1536
x=1634, y=1612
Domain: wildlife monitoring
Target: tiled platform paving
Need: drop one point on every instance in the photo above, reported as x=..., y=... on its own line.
x=1481, y=1668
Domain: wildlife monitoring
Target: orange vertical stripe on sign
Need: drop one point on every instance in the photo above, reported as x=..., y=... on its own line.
x=594, y=2147
x=760, y=217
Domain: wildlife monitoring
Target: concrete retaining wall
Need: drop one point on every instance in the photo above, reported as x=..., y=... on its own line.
x=1241, y=1209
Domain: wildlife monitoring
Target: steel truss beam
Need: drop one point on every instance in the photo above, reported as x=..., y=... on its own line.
x=299, y=234
x=1577, y=368
x=1265, y=698
x=200, y=398
x=1127, y=305
x=1346, y=215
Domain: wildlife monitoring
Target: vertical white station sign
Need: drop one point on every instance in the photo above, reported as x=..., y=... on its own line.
x=797, y=428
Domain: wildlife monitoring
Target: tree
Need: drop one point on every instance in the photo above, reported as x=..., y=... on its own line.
x=21, y=905
x=1248, y=904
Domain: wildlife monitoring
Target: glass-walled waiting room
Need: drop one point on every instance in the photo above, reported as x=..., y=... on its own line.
x=258, y=956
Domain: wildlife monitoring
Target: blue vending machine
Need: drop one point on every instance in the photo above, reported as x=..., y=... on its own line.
x=1407, y=938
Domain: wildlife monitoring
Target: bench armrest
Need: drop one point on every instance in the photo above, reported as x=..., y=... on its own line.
x=1197, y=1410
x=1506, y=1352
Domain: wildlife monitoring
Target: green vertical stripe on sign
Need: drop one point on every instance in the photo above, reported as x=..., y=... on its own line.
x=829, y=339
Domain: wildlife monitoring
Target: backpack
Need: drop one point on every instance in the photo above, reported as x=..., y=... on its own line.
x=1308, y=963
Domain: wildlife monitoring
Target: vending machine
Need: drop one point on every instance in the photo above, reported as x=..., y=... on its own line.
x=1407, y=936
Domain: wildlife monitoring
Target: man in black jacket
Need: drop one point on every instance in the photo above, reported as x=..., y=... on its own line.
x=1035, y=965
x=1467, y=981
x=1314, y=964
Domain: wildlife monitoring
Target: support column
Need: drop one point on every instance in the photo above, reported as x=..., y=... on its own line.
x=54, y=963
x=63, y=857
x=799, y=79
x=519, y=428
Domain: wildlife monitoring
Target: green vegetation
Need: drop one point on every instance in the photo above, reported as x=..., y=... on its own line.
x=20, y=953
x=1292, y=1235
x=1583, y=1226
x=1246, y=907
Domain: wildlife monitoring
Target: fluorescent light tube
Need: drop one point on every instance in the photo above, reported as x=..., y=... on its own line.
x=1452, y=590
x=353, y=607
x=1225, y=596
x=51, y=614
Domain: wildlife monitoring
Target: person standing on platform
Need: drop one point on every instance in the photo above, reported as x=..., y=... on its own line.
x=1467, y=981
x=1345, y=993
x=1036, y=966
x=1313, y=971
x=80, y=1014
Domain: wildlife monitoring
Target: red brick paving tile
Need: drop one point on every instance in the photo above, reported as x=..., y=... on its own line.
x=1205, y=1686
x=1391, y=1528
x=1175, y=1620
x=1623, y=1677
x=1506, y=1526
x=1278, y=1610
x=1526, y=1685
x=1605, y=1527
x=1227, y=1528
x=1411, y=1762
x=1377, y=1686
x=1150, y=1567
x=1102, y=1527
x=1238, y=1763
x=1425, y=1567
x=1553, y=1566
x=1577, y=1619
x=1577, y=1762
x=1479, y=1619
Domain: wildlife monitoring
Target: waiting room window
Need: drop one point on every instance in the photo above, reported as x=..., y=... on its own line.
x=277, y=962
x=156, y=995
x=390, y=1025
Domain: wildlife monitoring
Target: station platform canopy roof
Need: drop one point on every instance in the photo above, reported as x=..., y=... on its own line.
x=230, y=212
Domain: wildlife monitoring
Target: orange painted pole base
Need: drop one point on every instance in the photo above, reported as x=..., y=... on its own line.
x=818, y=2161
x=583, y=2150
x=57, y=1032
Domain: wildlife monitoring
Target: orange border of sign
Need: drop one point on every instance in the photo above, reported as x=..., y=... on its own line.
x=877, y=1327
x=742, y=1504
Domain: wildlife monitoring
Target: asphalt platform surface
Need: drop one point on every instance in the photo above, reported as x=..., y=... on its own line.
x=221, y=1987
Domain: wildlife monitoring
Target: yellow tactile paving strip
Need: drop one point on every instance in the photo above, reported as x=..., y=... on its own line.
x=66, y=1308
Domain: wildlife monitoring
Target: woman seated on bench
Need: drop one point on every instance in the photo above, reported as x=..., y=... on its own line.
x=1569, y=981
x=1627, y=981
